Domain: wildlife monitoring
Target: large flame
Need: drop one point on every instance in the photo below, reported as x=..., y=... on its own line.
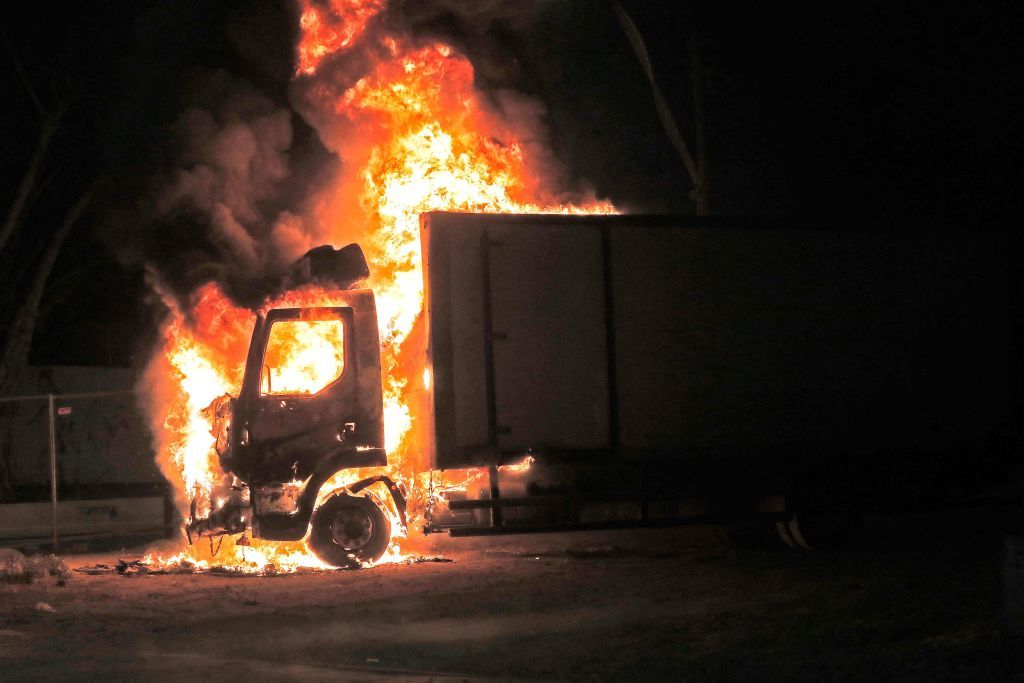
x=414, y=136
x=329, y=28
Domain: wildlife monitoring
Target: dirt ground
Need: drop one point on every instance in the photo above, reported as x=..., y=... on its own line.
x=920, y=600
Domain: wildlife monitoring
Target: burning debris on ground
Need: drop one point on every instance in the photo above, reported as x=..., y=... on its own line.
x=148, y=567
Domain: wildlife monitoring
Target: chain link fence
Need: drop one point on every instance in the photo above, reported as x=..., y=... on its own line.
x=77, y=466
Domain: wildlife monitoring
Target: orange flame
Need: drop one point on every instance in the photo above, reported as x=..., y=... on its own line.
x=304, y=357
x=328, y=29
x=414, y=136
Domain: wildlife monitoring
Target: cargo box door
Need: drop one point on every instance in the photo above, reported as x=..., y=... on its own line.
x=548, y=337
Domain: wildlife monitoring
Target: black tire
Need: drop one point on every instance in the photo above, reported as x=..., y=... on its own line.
x=349, y=530
x=829, y=529
x=760, y=535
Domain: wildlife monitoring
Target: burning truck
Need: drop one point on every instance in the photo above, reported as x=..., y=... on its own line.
x=654, y=369
x=310, y=407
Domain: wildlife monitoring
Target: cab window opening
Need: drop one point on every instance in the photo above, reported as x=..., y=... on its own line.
x=302, y=357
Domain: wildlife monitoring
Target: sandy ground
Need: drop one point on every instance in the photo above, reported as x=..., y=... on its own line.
x=917, y=602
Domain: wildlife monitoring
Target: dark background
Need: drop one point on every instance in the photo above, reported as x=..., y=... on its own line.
x=873, y=115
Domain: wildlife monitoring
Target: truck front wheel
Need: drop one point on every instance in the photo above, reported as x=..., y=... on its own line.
x=349, y=530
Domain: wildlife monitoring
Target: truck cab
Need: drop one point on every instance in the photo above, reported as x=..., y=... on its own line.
x=310, y=406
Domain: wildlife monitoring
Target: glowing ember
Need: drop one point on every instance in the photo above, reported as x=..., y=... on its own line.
x=414, y=136
x=519, y=467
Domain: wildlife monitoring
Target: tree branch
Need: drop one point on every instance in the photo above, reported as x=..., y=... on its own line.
x=25, y=80
x=28, y=181
x=668, y=122
x=18, y=340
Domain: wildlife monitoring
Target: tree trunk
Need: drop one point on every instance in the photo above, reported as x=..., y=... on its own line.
x=702, y=188
x=18, y=340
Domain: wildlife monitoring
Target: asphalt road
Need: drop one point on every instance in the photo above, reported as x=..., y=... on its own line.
x=919, y=602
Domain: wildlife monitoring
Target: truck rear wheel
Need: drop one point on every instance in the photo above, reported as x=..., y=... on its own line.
x=826, y=530
x=349, y=530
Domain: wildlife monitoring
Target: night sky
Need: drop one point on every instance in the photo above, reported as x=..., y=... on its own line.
x=884, y=116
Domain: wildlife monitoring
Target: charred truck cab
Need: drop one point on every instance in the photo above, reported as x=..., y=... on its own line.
x=284, y=442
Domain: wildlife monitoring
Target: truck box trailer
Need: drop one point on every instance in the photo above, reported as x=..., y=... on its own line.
x=657, y=369
x=746, y=365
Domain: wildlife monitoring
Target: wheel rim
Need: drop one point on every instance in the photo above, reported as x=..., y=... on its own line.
x=352, y=528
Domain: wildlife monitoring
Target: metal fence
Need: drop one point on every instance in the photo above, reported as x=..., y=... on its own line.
x=86, y=454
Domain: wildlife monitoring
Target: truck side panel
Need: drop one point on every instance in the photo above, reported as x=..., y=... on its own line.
x=632, y=338
x=720, y=345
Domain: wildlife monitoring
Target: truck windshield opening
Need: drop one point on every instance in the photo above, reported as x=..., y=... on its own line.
x=302, y=357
